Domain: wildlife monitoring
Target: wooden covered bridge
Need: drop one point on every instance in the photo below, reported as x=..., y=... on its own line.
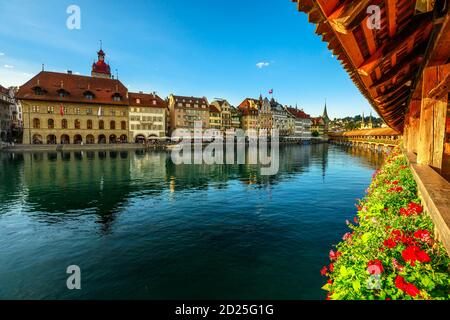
x=377, y=138
x=397, y=52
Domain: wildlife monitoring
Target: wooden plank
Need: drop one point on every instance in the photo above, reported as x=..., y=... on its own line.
x=391, y=13
x=433, y=118
x=435, y=193
x=370, y=39
x=350, y=14
x=442, y=89
x=393, y=46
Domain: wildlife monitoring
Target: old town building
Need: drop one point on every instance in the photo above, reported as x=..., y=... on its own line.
x=215, y=118
x=16, y=116
x=235, y=119
x=6, y=103
x=280, y=119
x=302, y=123
x=225, y=113
x=265, y=115
x=63, y=108
x=147, y=117
x=187, y=113
x=249, y=109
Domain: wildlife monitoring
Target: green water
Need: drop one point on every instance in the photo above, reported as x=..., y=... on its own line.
x=140, y=227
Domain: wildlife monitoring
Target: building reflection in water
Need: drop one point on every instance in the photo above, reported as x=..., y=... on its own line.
x=56, y=186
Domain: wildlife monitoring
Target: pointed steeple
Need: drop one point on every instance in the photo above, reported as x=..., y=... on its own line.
x=325, y=113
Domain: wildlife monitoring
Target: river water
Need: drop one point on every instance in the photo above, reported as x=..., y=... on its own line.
x=140, y=227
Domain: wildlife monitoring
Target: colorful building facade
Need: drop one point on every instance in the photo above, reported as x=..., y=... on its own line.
x=147, y=114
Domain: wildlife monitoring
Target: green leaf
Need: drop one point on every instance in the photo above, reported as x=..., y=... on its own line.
x=356, y=285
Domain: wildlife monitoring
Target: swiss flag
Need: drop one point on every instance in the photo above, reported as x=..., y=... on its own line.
x=61, y=110
x=271, y=91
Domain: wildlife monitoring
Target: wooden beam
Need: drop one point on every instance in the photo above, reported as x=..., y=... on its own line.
x=391, y=13
x=432, y=118
x=390, y=48
x=370, y=39
x=396, y=71
x=328, y=6
x=385, y=97
x=350, y=14
x=441, y=90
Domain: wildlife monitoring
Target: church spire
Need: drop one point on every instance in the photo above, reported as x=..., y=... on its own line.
x=325, y=113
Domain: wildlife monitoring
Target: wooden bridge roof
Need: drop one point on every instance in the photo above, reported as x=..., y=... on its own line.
x=384, y=63
x=372, y=132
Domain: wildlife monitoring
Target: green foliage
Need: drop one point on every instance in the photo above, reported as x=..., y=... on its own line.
x=390, y=252
x=315, y=134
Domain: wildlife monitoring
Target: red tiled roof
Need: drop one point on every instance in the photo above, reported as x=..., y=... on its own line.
x=146, y=100
x=299, y=113
x=76, y=86
x=191, y=101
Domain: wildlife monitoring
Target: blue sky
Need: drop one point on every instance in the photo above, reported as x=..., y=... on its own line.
x=191, y=47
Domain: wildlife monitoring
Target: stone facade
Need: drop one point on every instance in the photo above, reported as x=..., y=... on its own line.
x=188, y=112
x=44, y=123
x=6, y=116
x=147, y=117
x=265, y=116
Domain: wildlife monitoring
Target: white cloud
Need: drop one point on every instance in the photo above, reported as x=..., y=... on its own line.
x=261, y=65
x=8, y=66
x=2, y=54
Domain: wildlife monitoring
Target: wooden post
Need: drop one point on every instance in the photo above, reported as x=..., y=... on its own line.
x=411, y=135
x=432, y=118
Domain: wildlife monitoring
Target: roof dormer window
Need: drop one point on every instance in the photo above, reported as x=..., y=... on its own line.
x=39, y=91
x=89, y=95
x=62, y=93
x=117, y=97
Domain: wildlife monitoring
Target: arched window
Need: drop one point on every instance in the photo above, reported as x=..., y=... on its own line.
x=51, y=124
x=123, y=125
x=112, y=125
x=64, y=123
x=101, y=125
x=89, y=124
x=77, y=124
x=36, y=123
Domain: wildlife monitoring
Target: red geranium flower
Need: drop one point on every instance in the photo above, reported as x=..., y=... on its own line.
x=375, y=267
x=334, y=255
x=413, y=254
x=415, y=208
x=323, y=272
x=390, y=243
x=408, y=288
x=395, y=182
x=347, y=236
x=423, y=235
x=331, y=267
